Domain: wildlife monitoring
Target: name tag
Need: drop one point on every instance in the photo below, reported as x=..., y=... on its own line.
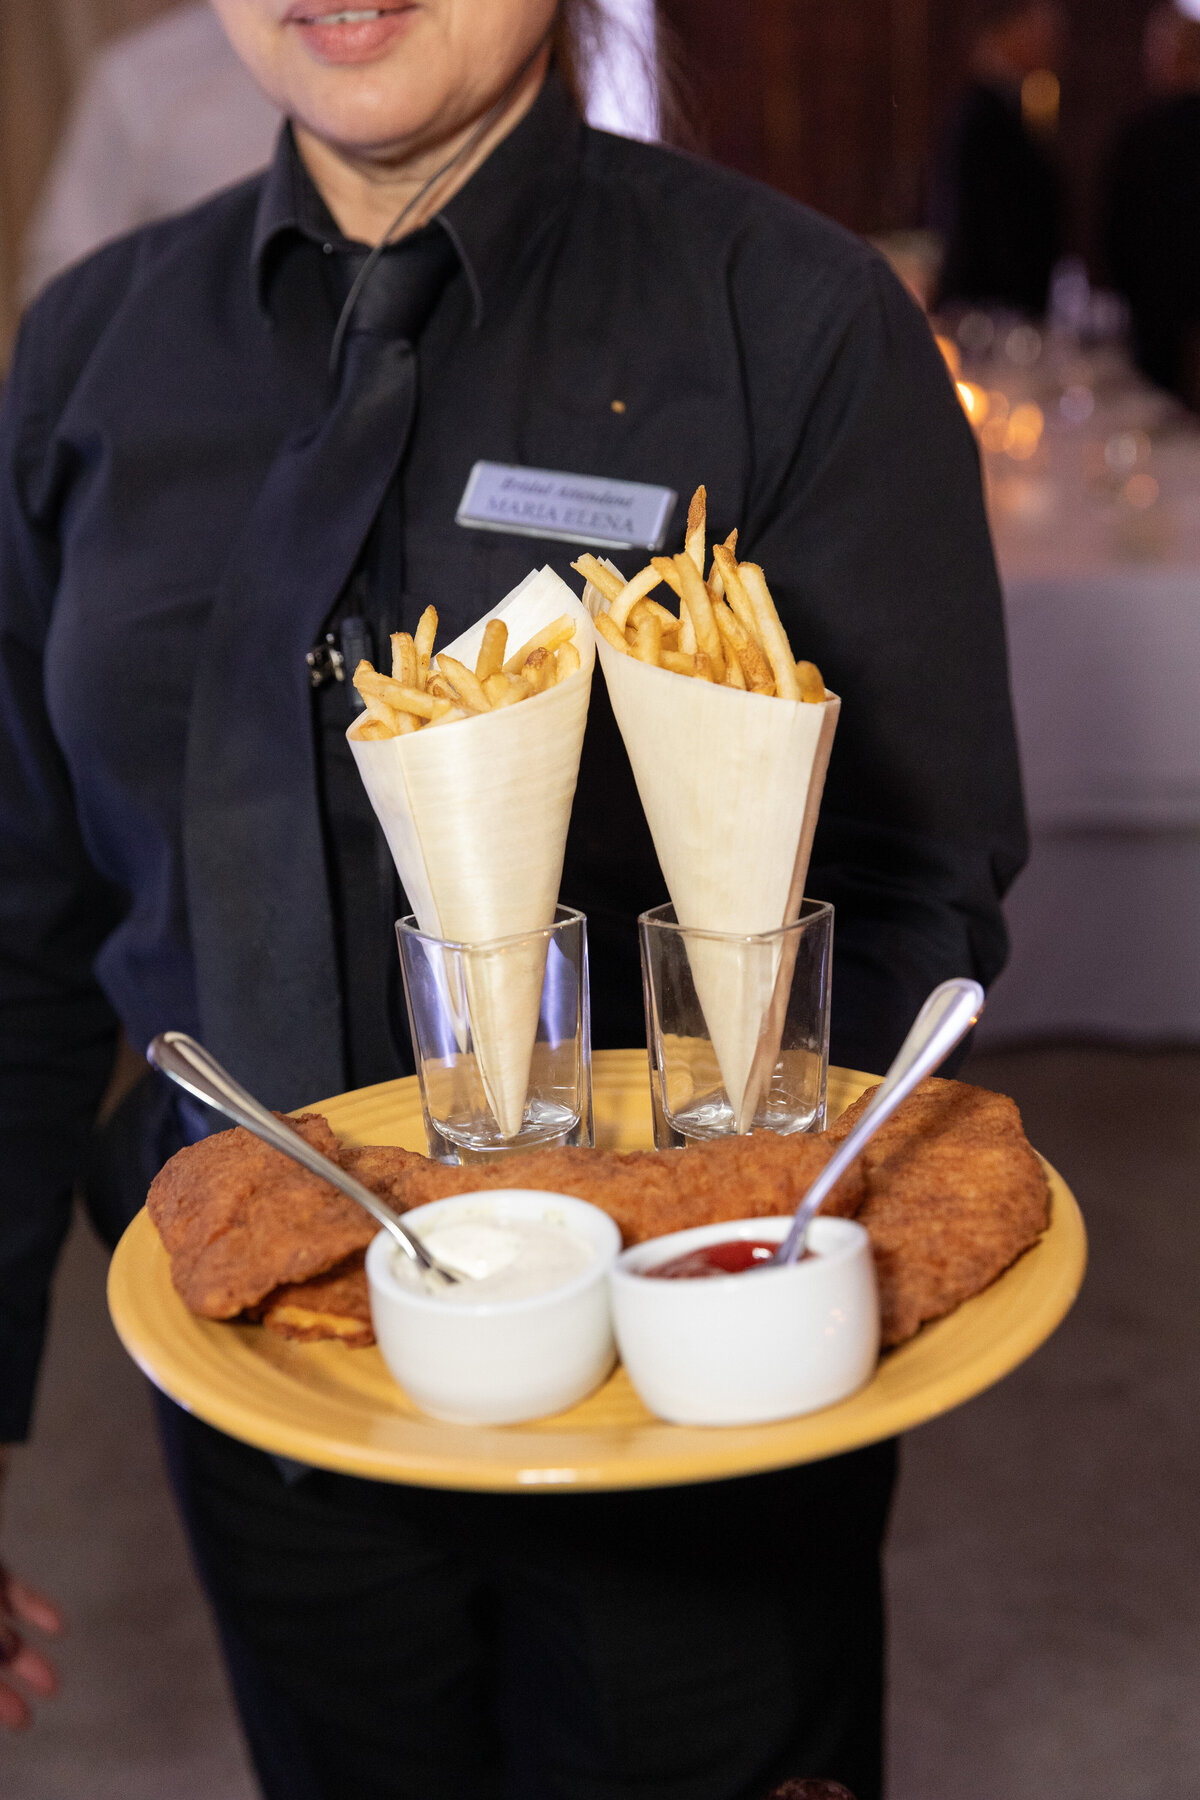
x=579, y=509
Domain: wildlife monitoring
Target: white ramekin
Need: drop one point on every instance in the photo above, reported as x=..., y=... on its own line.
x=740, y=1349
x=498, y=1362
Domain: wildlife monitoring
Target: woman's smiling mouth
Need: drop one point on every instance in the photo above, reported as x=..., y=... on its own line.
x=350, y=34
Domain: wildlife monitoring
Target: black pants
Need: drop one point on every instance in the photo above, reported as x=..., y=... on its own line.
x=394, y=1643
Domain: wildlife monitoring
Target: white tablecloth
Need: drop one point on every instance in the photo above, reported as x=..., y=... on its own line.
x=1103, y=607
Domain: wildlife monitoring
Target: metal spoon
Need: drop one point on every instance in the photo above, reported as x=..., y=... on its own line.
x=190, y=1066
x=946, y=1016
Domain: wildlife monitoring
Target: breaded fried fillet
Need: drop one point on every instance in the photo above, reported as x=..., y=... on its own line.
x=949, y=1189
x=238, y=1218
x=647, y=1192
x=334, y=1305
x=954, y=1194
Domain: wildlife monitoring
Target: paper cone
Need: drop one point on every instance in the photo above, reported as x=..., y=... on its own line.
x=475, y=814
x=731, y=785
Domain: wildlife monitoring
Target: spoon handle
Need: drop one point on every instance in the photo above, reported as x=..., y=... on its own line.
x=947, y=1015
x=191, y=1067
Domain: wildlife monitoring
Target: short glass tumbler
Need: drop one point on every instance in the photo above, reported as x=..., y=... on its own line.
x=737, y=1026
x=502, y=1037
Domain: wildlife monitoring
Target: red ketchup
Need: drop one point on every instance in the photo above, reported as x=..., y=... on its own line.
x=732, y=1257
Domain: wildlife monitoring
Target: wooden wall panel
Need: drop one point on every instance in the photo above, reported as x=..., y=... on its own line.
x=831, y=103
x=841, y=104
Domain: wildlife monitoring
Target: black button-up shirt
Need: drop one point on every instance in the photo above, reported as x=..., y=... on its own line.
x=617, y=310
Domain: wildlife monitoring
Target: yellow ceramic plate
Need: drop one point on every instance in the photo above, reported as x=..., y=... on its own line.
x=339, y=1408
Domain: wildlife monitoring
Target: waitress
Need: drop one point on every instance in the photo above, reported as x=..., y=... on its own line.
x=234, y=449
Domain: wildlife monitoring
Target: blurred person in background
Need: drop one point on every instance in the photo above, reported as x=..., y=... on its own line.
x=1152, y=209
x=166, y=115
x=995, y=197
x=169, y=114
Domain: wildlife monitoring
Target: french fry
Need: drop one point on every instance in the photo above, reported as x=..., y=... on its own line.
x=470, y=689
x=663, y=614
x=491, y=651
x=735, y=590
x=634, y=590
x=538, y=668
x=728, y=630
x=695, y=598
x=413, y=696
x=611, y=635
x=423, y=640
x=716, y=583
x=373, y=686
x=770, y=632
x=812, y=686
x=404, y=660
x=548, y=638
x=381, y=713
x=369, y=729
x=506, y=690
x=665, y=567
x=593, y=570
x=740, y=646
x=693, y=542
x=647, y=639
x=670, y=574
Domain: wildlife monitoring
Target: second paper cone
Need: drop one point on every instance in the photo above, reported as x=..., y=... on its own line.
x=731, y=785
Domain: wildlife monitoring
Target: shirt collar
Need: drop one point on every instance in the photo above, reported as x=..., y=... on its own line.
x=509, y=199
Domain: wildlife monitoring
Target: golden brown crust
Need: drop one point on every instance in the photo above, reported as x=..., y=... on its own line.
x=955, y=1193
x=949, y=1190
x=334, y=1305
x=647, y=1192
x=239, y=1218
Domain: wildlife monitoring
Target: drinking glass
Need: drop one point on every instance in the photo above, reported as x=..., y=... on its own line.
x=737, y=1025
x=502, y=1037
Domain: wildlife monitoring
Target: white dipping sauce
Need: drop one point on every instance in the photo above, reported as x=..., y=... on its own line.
x=501, y=1259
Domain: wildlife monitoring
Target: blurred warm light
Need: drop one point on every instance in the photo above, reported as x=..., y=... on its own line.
x=1141, y=491
x=974, y=401
x=1017, y=433
x=949, y=350
x=1025, y=427
x=1039, y=100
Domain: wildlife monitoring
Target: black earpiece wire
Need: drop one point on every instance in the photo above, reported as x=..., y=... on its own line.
x=389, y=236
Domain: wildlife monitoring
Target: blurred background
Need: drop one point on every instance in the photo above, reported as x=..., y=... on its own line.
x=840, y=106
x=1033, y=173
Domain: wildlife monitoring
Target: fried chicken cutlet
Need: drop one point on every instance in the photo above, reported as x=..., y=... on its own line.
x=949, y=1190
x=954, y=1194
x=239, y=1219
x=334, y=1305
x=647, y=1192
